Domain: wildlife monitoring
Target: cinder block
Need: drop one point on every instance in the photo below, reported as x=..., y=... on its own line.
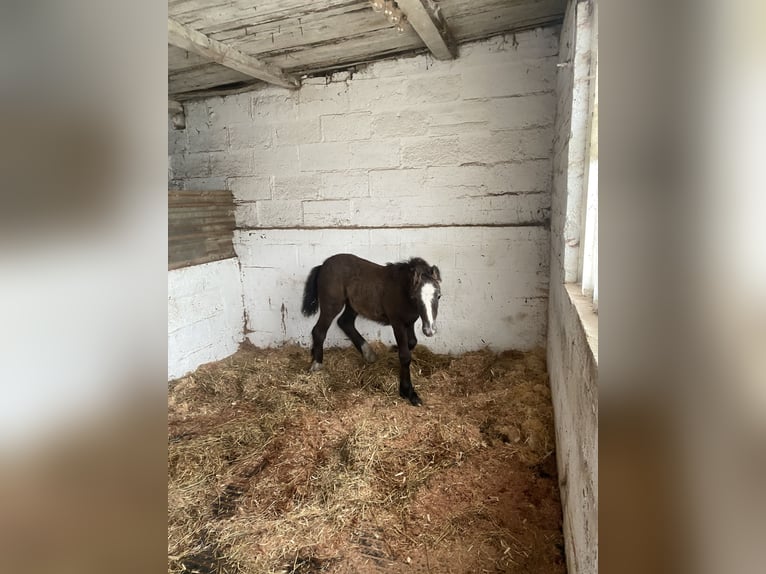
x=343, y=185
x=303, y=186
x=378, y=211
x=246, y=214
x=533, y=175
x=395, y=68
x=506, y=146
x=397, y=182
x=315, y=81
x=196, y=112
x=523, y=112
x=297, y=132
x=458, y=117
x=389, y=236
x=324, y=156
x=399, y=123
x=279, y=213
x=374, y=154
x=511, y=79
x=324, y=99
x=383, y=94
x=231, y=163
x=465, y=175
x=190, y=165
x=428, y=151
x=282, y=160
x=250, y=188
x=518, y=251
x=346, y=127
x=274, y=105
x=177, y=141
x=469, y=210
x=328, y=241
x=208, y=139
x=327, y=213
x=321, y=90
x=230, y=109
x=248, y=136
x=340, y=76
x=525, y=209
x=431, y=89
x=276, y=256
x=206, y=183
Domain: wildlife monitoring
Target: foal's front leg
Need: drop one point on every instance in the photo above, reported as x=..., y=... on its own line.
x=412, y=340
x=406, y=390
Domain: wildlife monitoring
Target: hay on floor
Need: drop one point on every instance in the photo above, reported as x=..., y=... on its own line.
x=272, y=469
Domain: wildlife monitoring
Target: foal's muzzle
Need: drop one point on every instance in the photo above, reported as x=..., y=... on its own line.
x=429, y=330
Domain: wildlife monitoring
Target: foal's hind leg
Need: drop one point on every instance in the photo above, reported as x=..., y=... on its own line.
x=346, y=322
x=326, y=314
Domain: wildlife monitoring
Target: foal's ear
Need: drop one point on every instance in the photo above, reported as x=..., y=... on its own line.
x=436, y=273
x=416, y=277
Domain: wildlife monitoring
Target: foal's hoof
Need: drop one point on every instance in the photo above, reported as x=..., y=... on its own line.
x=315, y=367
x=413, y=398
x=368, y=354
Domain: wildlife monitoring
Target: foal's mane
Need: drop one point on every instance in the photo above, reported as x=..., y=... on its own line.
x=418, y=264
x=418, y=268
x=415, y=263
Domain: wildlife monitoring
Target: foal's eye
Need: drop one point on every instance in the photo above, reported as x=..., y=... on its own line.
x=439, y=296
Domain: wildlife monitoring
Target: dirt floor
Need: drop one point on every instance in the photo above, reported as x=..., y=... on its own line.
x=272, y=469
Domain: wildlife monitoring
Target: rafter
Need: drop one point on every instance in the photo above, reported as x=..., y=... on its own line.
x=193, y=41
x=427, y=21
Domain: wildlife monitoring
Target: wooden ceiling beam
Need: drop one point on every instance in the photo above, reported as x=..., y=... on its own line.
x=193, y=41
x=427, y=21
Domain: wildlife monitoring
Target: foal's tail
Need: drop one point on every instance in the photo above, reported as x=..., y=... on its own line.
x=311, y=293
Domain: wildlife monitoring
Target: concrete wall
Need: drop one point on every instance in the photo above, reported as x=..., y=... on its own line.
x=450, y=161
x=571, y=363
x=493, y=285
x=205, y=315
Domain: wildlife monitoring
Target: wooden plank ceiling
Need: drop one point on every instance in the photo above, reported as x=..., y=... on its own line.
x=224, y=44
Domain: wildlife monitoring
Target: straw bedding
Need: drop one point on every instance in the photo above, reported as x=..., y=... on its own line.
x=275, y=470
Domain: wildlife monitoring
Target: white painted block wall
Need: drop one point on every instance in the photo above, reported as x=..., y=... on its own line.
x=205, y=315
x=494, y=289
x=571, y=366
x=449, y=161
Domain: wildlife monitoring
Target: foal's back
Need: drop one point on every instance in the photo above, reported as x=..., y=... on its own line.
x=367, y=286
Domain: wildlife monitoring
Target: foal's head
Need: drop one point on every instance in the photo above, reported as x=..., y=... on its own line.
x=426, y=292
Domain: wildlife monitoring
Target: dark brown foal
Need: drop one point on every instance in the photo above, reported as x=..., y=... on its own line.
x=396, y=294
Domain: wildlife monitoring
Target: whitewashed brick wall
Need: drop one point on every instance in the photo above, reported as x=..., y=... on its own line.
x=400, y=159
x=495, y=281
x=205, y=315
x=573, y=372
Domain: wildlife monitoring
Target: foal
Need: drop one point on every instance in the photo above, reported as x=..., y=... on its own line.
x=395, y=294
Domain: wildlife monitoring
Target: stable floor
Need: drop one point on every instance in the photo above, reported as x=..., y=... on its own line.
x=273, y=469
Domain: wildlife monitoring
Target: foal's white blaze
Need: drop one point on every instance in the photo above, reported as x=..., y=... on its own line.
x=427, y=296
